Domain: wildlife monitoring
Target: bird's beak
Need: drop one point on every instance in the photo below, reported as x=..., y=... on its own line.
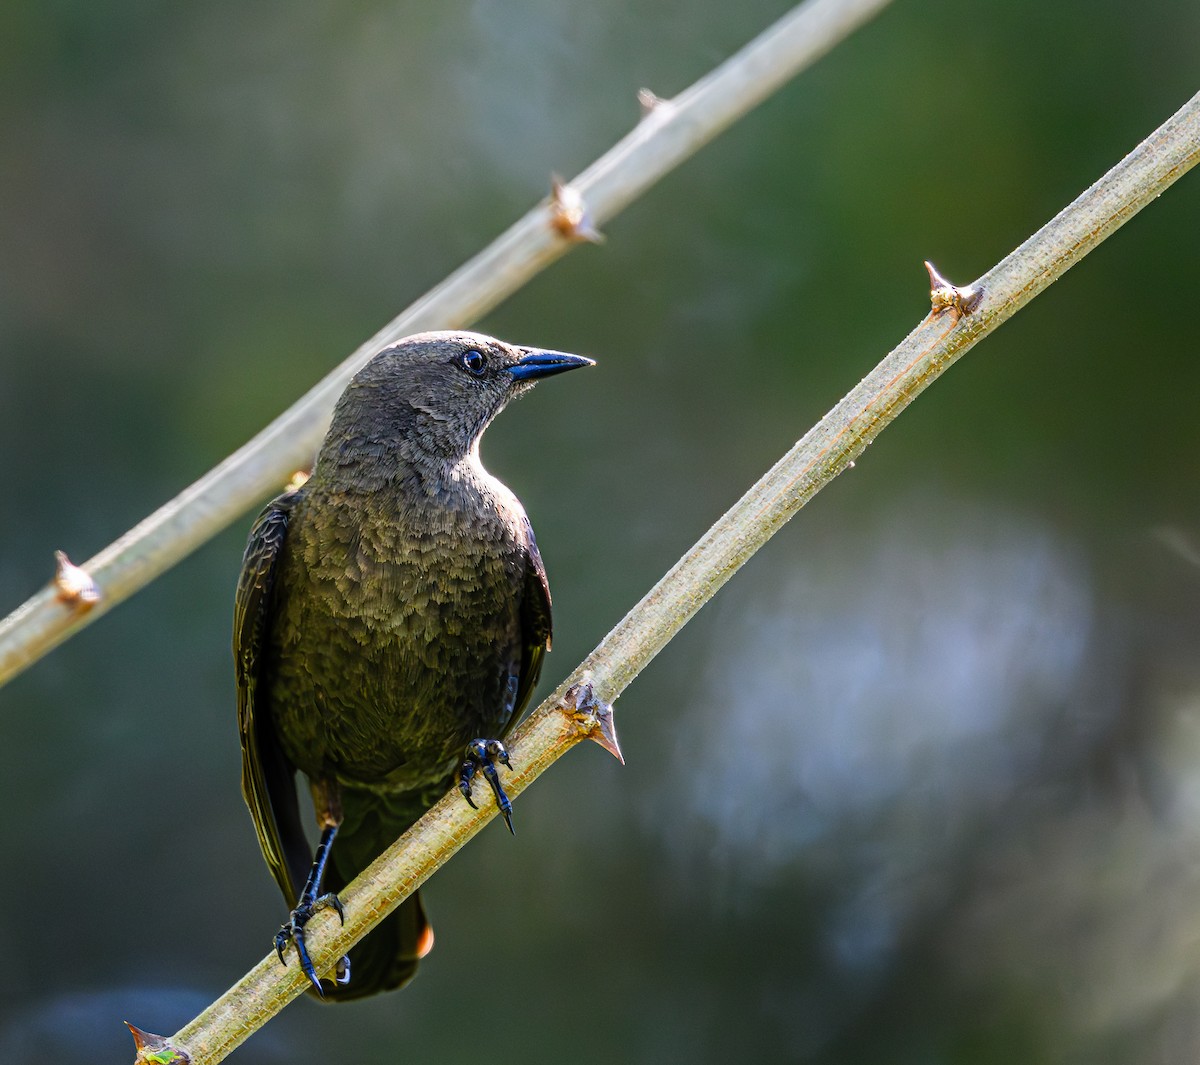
x=544, y=363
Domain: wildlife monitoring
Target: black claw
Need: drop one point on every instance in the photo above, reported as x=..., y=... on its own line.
x=331, y=901
x=293, y=932
x=465, y=773
x=482, y=755
x=306, y=962
x=502, y=800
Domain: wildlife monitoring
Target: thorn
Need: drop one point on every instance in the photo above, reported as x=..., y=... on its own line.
x=569, y=214
x=649, y=101
x=75, y=586
x=595, y=714
x=299, y=478
x=653, y=104
x=154, y=1049
x=944, y=296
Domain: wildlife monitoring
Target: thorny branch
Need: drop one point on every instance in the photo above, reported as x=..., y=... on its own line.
x=581, y=706
x=669, y=132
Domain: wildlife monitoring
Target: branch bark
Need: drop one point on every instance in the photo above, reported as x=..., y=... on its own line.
x=671, y=131
x=961, y=318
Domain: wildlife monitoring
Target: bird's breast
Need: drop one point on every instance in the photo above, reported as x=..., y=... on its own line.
x=399, y=640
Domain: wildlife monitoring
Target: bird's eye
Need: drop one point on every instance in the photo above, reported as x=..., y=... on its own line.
x=474, y=362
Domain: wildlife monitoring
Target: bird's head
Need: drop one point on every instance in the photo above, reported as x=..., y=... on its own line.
x=433, y=394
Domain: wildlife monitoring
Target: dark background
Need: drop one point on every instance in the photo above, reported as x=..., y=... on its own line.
x=921, y=785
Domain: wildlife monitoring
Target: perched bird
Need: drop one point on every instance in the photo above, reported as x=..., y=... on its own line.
x=390, y=622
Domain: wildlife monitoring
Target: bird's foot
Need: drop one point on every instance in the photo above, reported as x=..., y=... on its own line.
x=293, y=932
x=482, y=755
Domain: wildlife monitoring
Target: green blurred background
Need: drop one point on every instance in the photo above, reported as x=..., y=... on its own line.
x=921, y=785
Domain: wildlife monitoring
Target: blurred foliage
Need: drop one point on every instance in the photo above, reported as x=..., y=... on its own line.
x=920, y=786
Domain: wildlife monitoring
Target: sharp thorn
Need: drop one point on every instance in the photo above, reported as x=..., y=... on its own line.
x=75, y=586
x=569, y=215
x=596, y=714
x=936, y=280
x=946, y=296
x=648, y=100
x=155, y=1048
x=606, y=733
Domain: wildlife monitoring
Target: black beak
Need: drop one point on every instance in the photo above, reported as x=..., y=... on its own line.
x=545, y=363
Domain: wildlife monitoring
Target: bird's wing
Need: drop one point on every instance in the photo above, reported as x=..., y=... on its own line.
x=535, y=622
x=268, y=779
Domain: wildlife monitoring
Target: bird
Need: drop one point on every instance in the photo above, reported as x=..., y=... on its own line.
x=390, y=622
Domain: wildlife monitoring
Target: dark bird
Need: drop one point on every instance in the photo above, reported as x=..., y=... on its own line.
x=390, y=623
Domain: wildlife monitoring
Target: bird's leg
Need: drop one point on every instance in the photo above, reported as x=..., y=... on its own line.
x=482, y=755
x=327, y=800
